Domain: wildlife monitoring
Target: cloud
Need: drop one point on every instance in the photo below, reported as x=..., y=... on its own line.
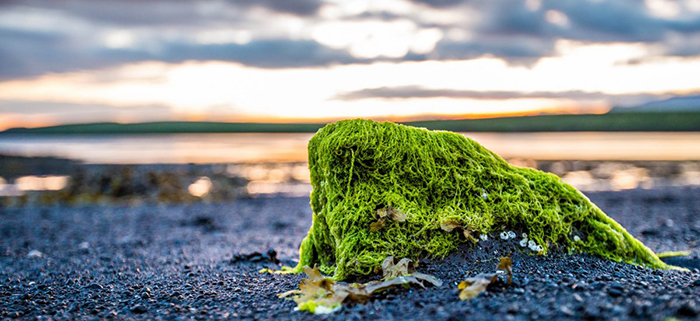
x=440, y=3
x=34, y=59
x=273, y=53
x=411, y=92
x=298, y=7
x=39, y=37
x=27, y=112
x=23, y=107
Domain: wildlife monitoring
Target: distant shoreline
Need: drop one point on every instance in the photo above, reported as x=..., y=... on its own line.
x=611, y=122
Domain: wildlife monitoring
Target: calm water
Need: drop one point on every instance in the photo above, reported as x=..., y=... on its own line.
x=252, y=148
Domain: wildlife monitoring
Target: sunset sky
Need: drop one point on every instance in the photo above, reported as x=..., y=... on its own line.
x=71, y=61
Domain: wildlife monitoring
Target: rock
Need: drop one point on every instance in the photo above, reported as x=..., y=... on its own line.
x=362, y=167
x=139, y=309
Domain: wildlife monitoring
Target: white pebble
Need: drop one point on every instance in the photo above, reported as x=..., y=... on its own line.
x=577, y=239
x=504, y=236
x=532, y=245
x=35, y=254
x=484, y=237
x=523, y=242
x=524, y=235
x=511, y=235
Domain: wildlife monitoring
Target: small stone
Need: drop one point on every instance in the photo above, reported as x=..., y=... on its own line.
x=591, y=312
x=689, y=309
x=566, y=311
x=94, y=286
x=139, y=309
x=614, y=292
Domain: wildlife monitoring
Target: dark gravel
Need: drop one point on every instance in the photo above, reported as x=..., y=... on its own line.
x=202, y=260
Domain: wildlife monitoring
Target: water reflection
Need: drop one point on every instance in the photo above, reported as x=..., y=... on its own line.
x=292, y=147
x=230, y=181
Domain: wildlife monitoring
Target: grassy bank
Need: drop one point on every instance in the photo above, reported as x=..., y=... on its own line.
x=678, y=121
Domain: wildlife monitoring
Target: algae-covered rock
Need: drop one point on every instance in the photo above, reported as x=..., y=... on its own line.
x=383, y=189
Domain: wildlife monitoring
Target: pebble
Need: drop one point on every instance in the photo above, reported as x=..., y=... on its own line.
x=139, y=309
x=94, y=286
x=34, y=254
x=689, y=309
x=566, y=311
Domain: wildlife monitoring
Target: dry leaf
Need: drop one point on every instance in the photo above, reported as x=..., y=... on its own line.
x=449, y=226
x=378, y=225
x=320, y=295
x=468, y=235
x=506, y=265
x=384, y=214
x=391, y=270
x=392, y=213
x=472, y=287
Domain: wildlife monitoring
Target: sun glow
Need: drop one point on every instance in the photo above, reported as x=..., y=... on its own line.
x=230, y=91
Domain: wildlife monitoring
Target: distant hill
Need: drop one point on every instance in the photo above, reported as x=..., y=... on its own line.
x=675, y=104
x=618, y=121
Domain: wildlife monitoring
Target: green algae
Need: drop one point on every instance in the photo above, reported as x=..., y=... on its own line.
x=360, y=168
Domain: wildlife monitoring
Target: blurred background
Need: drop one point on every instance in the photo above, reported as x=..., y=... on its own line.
x=188, y=101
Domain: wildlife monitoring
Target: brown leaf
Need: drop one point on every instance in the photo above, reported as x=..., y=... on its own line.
x=428, y=278
x=396, y=215
x=472, y=287
x=448, y=226
x=468, y=235
x=318, y=294
x=378, y=225
x=391, y=213
x=506, y=265
x=313, y=274
x=391, y=270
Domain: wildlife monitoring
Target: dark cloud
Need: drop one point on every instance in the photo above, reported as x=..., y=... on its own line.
x=276, y=53
x=34, y=60
x=298, y=7
x=166, y=30
x=440, y=3
x=411, y=92
x=623, y=20
x=517, y=51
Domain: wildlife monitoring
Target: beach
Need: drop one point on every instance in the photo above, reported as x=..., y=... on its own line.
x=202, y=261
